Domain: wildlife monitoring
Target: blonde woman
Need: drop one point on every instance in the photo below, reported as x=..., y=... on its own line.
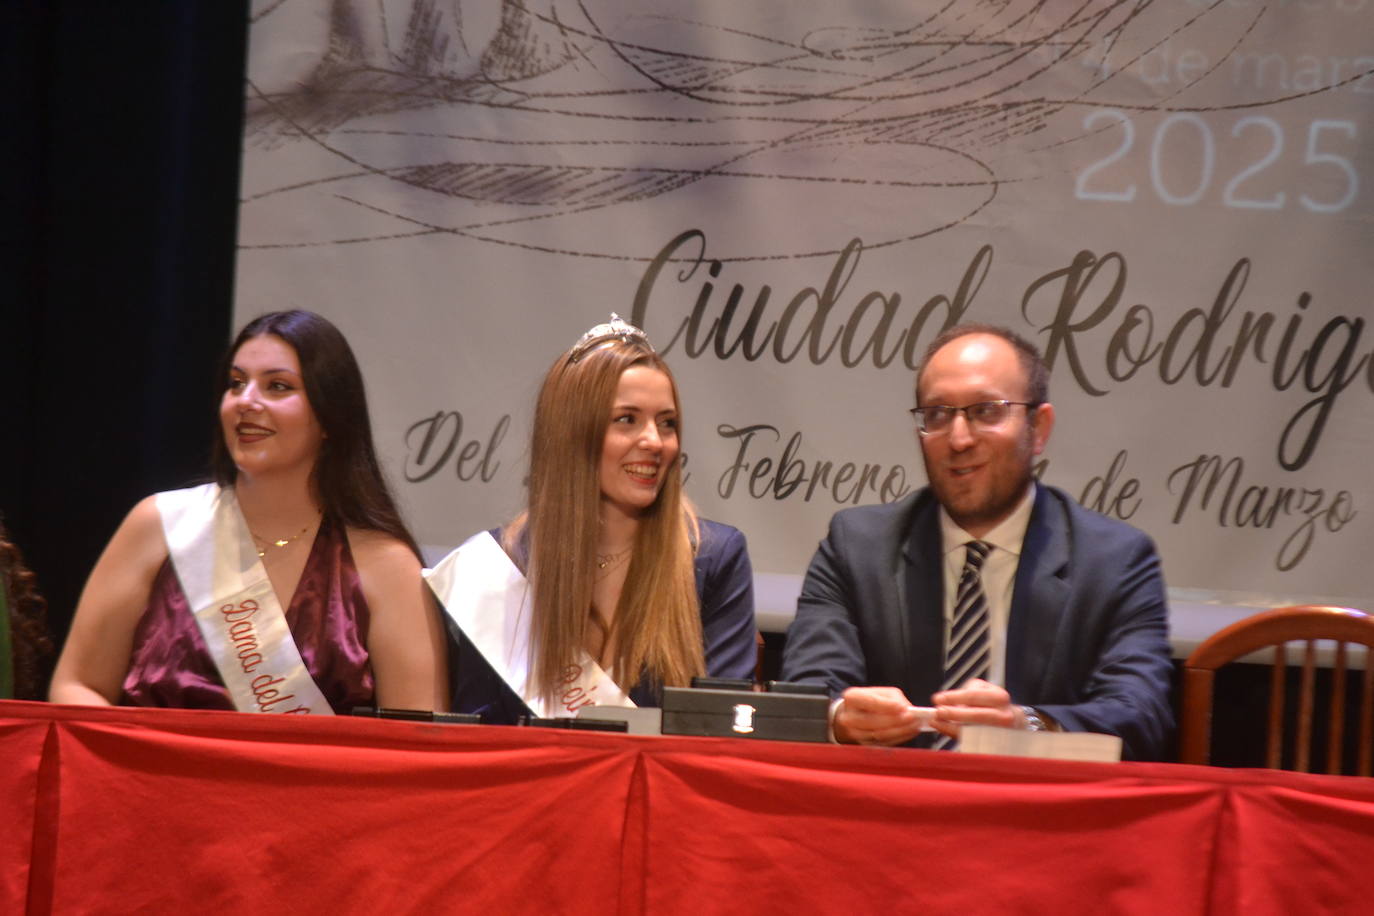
x=608, y=587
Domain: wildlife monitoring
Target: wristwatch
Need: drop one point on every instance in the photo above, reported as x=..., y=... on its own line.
x=1033, y=721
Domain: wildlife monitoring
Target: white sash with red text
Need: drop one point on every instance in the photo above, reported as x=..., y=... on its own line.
x=487, y=596
x=235, y=608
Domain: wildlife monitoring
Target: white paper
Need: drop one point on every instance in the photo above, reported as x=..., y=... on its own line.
x=1010, y=742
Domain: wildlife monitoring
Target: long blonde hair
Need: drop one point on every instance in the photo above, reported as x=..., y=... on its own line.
x=656, y=629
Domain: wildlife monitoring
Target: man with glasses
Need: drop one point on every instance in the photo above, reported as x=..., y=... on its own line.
x=988, y=596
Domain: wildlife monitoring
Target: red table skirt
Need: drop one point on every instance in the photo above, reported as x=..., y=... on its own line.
x=122, y=810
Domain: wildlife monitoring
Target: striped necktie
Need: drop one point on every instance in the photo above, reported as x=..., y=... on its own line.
x=968, y=652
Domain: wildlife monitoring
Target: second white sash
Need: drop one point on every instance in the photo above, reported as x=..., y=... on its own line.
x=487, y=596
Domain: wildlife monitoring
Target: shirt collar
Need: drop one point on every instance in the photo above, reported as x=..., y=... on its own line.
x=1008, y=536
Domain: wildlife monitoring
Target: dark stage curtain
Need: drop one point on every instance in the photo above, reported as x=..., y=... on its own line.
x=123, y=140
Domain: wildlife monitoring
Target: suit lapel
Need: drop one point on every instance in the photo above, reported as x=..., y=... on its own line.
x=1039, y=597
x=921, y=588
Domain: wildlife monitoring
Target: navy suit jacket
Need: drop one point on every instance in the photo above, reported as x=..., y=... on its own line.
x=1087, y=637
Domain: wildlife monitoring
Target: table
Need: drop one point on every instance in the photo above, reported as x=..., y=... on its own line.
x=124, y=810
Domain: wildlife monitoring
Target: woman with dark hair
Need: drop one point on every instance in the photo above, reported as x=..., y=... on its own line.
x=288, y=585
x=608, y=587
x=25, y=648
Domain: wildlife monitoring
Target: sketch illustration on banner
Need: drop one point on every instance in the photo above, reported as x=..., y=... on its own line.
x=517, y=125
x=793, y=199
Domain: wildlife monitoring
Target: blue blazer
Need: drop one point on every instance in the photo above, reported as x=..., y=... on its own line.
x=1087, y=638
x=725, y=590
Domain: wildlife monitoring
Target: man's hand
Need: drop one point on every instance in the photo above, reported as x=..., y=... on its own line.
x=978, y=702
x=876, y=715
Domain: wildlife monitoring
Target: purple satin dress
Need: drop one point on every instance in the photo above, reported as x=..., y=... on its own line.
x=170, y=665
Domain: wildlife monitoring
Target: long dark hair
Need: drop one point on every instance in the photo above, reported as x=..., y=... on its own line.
x=30, y=644
x=347, y=478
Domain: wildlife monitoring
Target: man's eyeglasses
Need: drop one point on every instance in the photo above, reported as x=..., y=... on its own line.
x=983, y=416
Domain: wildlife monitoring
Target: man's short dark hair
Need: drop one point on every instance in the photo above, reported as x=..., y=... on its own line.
x=1032, y=363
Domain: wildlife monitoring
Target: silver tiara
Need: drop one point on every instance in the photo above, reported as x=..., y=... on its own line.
x=615, y=329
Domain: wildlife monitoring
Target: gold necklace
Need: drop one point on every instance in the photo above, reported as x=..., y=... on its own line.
x=604, y=560
x=280, y=542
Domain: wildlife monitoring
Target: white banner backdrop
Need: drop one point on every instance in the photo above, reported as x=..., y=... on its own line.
x=1172, y=199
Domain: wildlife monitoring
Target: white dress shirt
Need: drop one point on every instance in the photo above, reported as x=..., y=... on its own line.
x=999, y=574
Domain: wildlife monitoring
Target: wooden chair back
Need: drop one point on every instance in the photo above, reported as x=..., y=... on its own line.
x=1276, y=628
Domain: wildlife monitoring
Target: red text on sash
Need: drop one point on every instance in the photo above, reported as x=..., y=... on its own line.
x=237, y=620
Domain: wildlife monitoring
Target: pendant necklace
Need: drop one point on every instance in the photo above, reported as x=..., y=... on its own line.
x=280, y=542
x=606, y=559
